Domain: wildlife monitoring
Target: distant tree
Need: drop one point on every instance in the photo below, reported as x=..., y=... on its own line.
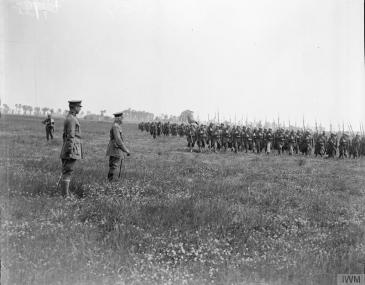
x=25, y=109
x=18, y=108
x=30, y=110
x=37, y=111
x=51, y=111
x=44, y=110
x=59, y=111
x=102, y=112
x=65, y=112
x=6, y=109
x=186, y=116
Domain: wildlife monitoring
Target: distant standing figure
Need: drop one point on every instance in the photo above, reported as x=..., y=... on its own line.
x=116, y=145
x=72, y=147
x=49, y=122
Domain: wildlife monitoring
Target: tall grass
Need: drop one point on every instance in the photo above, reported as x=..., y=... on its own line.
x=176, y=217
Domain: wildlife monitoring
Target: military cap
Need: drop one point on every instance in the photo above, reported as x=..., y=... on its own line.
x=118, y=114
x=75, y=103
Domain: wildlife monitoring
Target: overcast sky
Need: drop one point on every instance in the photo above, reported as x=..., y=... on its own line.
x=260, y=59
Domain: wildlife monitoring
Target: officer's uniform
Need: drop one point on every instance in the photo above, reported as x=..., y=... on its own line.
x=71, y=148
x=116, y=146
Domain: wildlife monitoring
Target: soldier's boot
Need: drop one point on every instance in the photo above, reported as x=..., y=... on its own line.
x=110, y=176
x=65, y=188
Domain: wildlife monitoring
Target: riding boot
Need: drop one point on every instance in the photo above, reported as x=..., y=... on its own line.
x=110, y=176
x=65, y=188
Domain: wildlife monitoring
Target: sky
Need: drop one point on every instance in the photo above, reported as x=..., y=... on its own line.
x=264, y=60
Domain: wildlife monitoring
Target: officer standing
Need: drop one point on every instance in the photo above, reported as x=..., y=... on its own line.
x=49, y=122
x=72, y=147
x=116, y=145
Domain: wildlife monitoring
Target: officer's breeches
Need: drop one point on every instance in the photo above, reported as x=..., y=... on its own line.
x=68, y=166
x=114, y=162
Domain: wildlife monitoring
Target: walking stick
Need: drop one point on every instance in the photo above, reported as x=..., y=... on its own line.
x=120, y=167
x=58, y=182
x=121, y=163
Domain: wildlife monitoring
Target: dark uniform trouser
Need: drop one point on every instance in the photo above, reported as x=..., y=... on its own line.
x=49, y=133
x=114, y=163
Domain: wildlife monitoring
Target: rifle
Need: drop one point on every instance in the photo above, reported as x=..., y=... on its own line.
x=350, y=128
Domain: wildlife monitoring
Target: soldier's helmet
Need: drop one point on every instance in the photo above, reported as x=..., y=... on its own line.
x=49, y=115
x=270, y=129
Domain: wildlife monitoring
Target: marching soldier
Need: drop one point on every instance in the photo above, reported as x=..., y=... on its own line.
x=226, y=137
x=72, y=147
x=201, y=137
x=116, y=145
x=332, y=145
x=344, y=145
x=291, y=142
x=279, y=140
x=174, y=129
x=320, y=144
x=236, y=138
x=356, y=146
x=259, y=140
x=49, y=122
x=269, y=137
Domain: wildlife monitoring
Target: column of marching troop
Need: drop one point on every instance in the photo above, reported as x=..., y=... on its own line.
x=223, y=137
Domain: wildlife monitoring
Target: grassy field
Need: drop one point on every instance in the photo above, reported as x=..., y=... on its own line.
x=175, y=217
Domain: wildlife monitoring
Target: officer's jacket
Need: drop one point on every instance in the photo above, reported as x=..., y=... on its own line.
x=116, y=144
x=72, y=147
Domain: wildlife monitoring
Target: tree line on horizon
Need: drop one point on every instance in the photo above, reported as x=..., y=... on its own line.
x=129, y=114
x=27, y=110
